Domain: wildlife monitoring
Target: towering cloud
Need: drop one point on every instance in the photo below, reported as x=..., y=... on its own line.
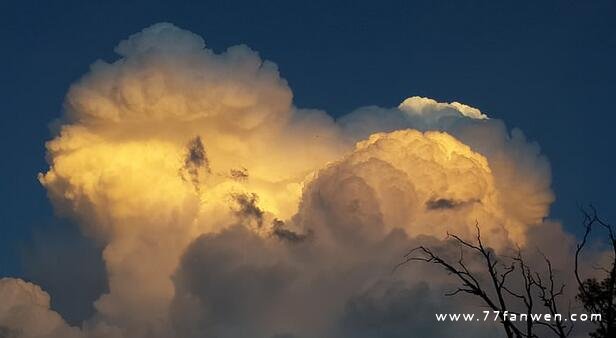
x=225, y=211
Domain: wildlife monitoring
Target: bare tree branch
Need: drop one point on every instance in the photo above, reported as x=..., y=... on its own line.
x=498, y=273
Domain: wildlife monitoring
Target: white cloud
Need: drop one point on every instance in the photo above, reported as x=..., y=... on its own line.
x=226, y=211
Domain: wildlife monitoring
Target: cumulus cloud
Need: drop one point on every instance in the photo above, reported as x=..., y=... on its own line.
x=25, y=312
x=238, y=284
x=225, y=211
x=521, y=173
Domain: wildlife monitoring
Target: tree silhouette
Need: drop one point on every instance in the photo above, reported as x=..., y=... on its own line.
x=598, y=295
x=493, y=285
x=508, y=284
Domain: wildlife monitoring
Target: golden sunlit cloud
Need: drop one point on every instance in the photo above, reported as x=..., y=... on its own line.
x=222, y=207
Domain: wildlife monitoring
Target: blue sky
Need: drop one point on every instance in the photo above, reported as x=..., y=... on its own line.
x=547, y=68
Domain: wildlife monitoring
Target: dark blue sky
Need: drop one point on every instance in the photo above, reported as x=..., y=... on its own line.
x=547, y=68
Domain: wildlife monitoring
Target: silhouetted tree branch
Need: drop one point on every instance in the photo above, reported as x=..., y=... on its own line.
x=498, y=271
x=598, y=295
